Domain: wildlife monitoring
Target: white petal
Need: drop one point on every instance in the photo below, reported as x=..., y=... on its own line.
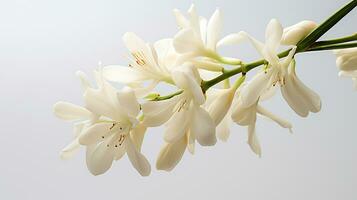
x=259, y=46
x=100, y=159
x=253, y=140
x=139, y=162
x=293, y=34
x=347, y=62
x=273, y=35
x=191, y=142
x=128, y=101
x=203, y=29
x=123, y=74
x=282, y=122
x=171, y=154
x=158, y=112
x=252, y=91
x=203, y=127
x=177, y=126
x=137, y=135
x=220, y=106
x=141, y=92
x=231, y=39
x=95, y=133
x=69, y=111
x=70, y=150
x=194, y=20
x=181, y=20
x=186, y=78
x=186, y=41
x=223, y=129
x=84, y=80
x=213, y=29
x=244, y=115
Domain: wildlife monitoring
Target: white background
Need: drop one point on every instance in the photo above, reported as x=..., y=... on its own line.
x=43, y=43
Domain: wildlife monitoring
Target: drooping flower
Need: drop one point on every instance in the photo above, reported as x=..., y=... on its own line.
x=186, y=121
x=113, y=131
x=247, y=116
x=147, y=63
x=347, y=63
x=299, y=97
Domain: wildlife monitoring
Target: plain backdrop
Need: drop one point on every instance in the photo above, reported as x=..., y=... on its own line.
x=43, y=43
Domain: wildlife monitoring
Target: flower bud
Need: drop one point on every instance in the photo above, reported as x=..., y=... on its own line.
x=293, y=34
x=347, y=59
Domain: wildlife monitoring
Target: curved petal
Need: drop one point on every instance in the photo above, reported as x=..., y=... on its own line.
x=293, y=34
x=158, y=112
x=171, y=154
x=177, y=126
x=69, y=111
x=253, y=140
x=185, y=41
x=203, y=127
x=128, y=101
x=140, y=163
x=214, y=30
x=137, y=135
x=181, y=20
x=231, y=39
x=244, y=115
x=251, y=92
x=84, y=80
x=223, y=128
x=273, y=35
x=282, y=122
x=220, y=106
x=70, y=150
x=123, y=74
x=95, y=133
x=100, y=159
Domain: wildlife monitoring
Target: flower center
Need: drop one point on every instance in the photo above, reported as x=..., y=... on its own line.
x=139, y=58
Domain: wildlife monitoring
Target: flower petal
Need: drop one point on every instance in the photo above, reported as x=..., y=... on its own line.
x=273, y=35
x=252, y=91
x=123, y=74
x=185, y=41
x=100, y=159
x=220, y=106
x=231, y=39
x=128, y=101
x=203, y=127
x=181, y=20
x=95, y=133
x=69, y=111
x=177, y=126
x=171, y=154
x=70, y=150
x=253, y=140
x=293, y=34
x=282, y=122
x=214, y=30
x=140, y=163
x=137, y=135
x=223, y=128
x=244, y=115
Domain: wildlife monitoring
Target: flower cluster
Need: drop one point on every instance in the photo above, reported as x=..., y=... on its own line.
x=113, y=121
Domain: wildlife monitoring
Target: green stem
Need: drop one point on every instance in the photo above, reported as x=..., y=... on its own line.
x=337, y=41
x=325, y=26
x=160, y=98
x=333, y=46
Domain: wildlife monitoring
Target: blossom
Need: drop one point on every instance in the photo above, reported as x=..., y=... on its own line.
x=299, y=97
x=247, y=116
x=113, y=131
x=293, y=34
x=347, y=63
x=186, y=121
x=201, y=37
x=148, y=63
x=350, y=74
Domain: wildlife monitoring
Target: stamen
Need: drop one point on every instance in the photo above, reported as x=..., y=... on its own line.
x=139, y=58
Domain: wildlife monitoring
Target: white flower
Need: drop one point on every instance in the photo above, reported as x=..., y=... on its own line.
x=186, y=120
x=199, y=37
x=113, y=131
x=347, y=59
x=299, y=97
x=148, y=63
x=247, y=116
x=293, y=34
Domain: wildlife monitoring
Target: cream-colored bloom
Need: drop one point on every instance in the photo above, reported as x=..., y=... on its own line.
x=148, y=63
x=350, y=74
x=293, y=34
x=347, y=59
x=201, y=37
x=113, y=129
x=185, y=120
x=299, y=97
x=247, y=116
